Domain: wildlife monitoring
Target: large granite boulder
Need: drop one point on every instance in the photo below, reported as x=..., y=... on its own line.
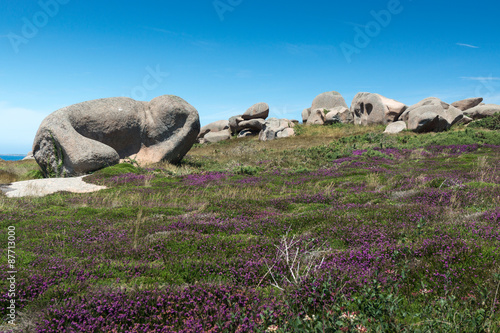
x=340, y=114
x=276, y=128
x=369, y=108
x=328, y=100
x=317, y=117
x=482, y=111
x=431, y=115
x=88, y=136
x=213, y=137
x=468, y=103
x=259, y=110
x=216, y=126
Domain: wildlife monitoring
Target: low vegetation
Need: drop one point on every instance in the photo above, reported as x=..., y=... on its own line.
x=339, y=229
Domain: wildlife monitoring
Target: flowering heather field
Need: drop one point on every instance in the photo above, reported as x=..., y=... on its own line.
x=325, y=232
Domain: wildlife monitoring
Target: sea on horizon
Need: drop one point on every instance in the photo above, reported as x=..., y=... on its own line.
x=12, y=157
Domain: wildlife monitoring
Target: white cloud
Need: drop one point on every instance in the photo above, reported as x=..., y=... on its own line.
x=18, y=127
x=468, y=45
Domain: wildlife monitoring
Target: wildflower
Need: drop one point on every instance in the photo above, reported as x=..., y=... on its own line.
x=272, y=328
x=424, y=291
x=361, y=329
x=348, y=315
x=307, y=318
x=390, y=271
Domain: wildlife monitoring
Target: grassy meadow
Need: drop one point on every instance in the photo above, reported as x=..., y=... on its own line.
x=339, y=229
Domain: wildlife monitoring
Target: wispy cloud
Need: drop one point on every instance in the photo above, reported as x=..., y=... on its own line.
x=480, y=78
x=468, y=45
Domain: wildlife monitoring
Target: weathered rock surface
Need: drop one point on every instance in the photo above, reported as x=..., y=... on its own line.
x=252, y=124
x=91, y=135
x=431, y=115
x=216, y=126
x=247, y=132
x=273, y=127
x=395, y=127
x=369, y=108
x=259, y=110
x=43, y=187
x=482, y=111
x=305, y=114
x=340, y=114
x=29, y=156
x=317, y=117
x=233, y=124
x=468, y=103
x=213, y=137
x=328, y=100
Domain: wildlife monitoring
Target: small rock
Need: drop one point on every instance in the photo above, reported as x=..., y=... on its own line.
x=286, y=133
x=395, y=127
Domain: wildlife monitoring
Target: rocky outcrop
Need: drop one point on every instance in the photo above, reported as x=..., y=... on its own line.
x=369, y=108
x=482, y=111
x=276, y=128
x=213, y=137
x=233, y=124
x=85, y=137
x=252, y=124
x=468, y=103
x=216, y=126
x=340, y=114
x=431, y=115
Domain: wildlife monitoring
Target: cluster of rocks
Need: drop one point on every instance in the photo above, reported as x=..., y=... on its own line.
x=253, y=122
x=428, y=115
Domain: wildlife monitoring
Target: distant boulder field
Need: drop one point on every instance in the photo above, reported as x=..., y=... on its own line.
x=88, y=136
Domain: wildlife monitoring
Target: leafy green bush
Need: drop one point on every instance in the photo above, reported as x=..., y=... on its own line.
x=491, y=123
x=247, y=170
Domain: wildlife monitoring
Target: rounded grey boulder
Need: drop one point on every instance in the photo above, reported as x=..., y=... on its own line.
x=259, y=110
x=328, y=100
x=431, y=115
x=371, y=108
x=88, y=136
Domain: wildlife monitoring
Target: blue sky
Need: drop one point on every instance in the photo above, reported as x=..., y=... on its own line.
x=224, y=56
